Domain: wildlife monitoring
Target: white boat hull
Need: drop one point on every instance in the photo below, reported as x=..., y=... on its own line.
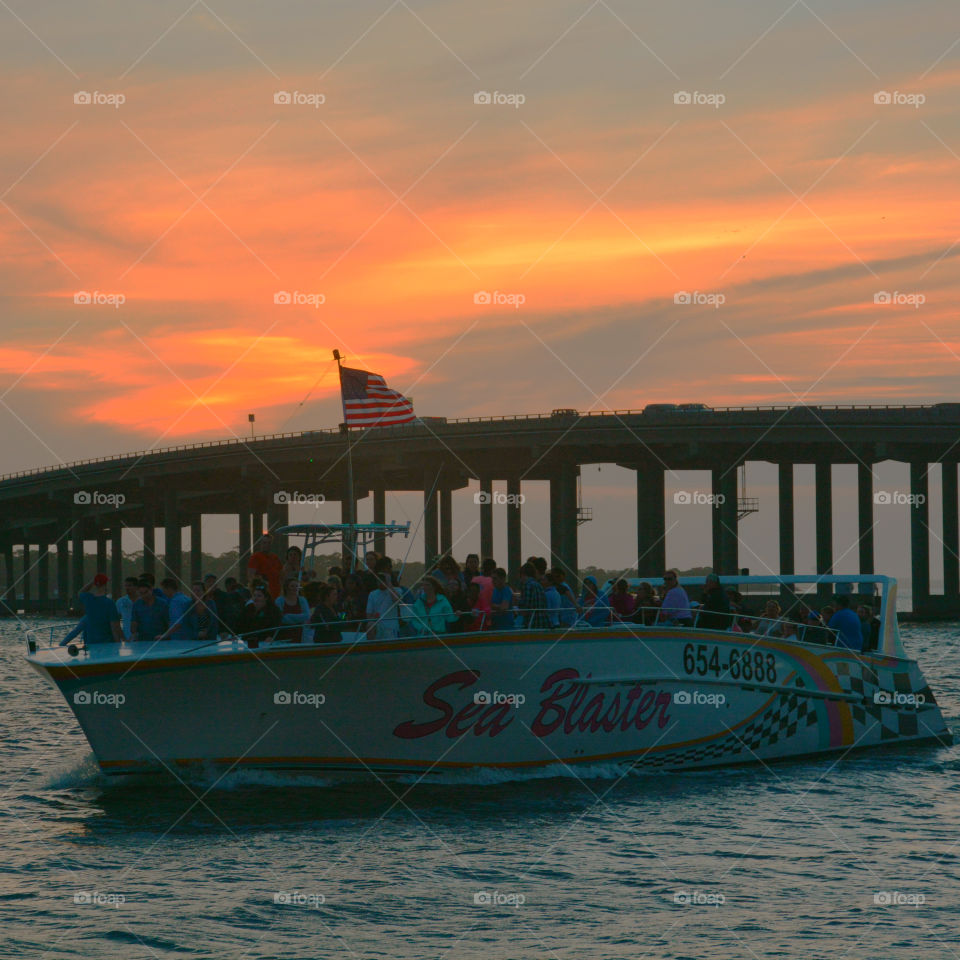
x=658, y=698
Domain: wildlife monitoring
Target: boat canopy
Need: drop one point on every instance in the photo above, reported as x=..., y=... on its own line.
x=355, y=537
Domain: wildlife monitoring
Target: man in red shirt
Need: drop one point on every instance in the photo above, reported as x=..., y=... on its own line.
x=266, y=566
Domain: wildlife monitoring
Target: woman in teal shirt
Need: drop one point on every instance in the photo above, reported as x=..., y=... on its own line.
x=431, y=613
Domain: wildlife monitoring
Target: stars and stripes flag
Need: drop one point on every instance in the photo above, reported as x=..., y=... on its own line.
x=369, y=402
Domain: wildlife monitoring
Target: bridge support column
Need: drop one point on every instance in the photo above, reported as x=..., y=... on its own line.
x=77, y=582
x=25, y=578
x=724, y=520
x=431, y=531
x=116, y=558
x=10, y=593
x=150, y=536
x=63, y=572
x=920, y=534
x=446, y=520
x=823, y=497
x=486, y=518
x=865, y=518
x=514, y=528
x=785, y=499
x=563, y=520
x=172, y=536
x=101, y=551
x=380, y=516
x=278, y=515
x=196, y=546
x=951, y=546
x=651, y=520
x=43, y=576
x=243, y=544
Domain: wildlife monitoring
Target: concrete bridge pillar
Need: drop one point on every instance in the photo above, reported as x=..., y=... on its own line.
x=514, y=527
x=486, y=518
x=865, y=517
x=196, y=547
x=63, y=572
x=823, y=496
x=278, y=515
x=150, y=535
x=244, y=543
x=431, y=529
x=101, y=551
x=920, y=534
x=10, y=593
x=172, y=536
x=116, y=559
x=77, y=581
x=651, y=519
x=786, y=520
x=446, y=520
x=26, y=576
x=43, y=575
x=951, y=535
x=563, y=520
x=724, y=519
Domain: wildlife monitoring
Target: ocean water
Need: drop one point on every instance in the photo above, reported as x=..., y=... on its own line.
x=843, y=858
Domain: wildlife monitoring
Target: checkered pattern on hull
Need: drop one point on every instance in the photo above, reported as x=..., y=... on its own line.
x=874, y=723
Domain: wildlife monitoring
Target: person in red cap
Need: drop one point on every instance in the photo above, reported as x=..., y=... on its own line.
x=101, y=619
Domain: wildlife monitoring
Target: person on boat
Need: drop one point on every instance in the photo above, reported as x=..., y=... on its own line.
x=383, y=609
x=294, y=612
x=260, y=616
x=595, y=606
x=431, y=613
x=552, y=596
x=150, y=617
x=675, y=606
x=846, y=623
x=265, y=565
x=622, y=601
x=533, y=601
x=291, y=564
x=501, y=601
x=789, y=629
x=101, y=619
x=568, y=609
x=484, y=581
x=205, y=609
x=715, y=606
x=471, y=568
x=647, y=606
x=353, y=602
x=183, y=618
x=125, y=605
x=326, y=622
x=866, y=626
x=479, y=616
x=152, y=582
x=770, y=623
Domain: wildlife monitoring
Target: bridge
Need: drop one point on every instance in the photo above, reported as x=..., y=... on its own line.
x=54, y=511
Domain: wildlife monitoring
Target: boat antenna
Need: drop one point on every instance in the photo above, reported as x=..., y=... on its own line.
x=350, y=538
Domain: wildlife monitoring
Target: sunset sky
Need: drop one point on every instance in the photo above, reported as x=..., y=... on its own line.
x=395, y=201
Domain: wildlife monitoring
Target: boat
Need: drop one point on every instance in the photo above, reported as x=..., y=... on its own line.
x=661, y=697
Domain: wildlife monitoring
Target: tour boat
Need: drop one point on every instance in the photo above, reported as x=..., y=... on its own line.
x=657, y=697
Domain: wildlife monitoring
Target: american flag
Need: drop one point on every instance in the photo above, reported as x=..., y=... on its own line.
x=369, y=402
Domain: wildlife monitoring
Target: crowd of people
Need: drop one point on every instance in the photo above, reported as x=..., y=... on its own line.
x=282, y=601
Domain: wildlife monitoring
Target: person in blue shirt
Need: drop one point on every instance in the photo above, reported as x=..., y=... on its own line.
x=501, y=601
x=150, y=615
x=183, y=618
x=595, y=605
x=847, y=624
x=101, y=619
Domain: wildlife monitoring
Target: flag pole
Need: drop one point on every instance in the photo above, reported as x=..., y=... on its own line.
x=350, y=541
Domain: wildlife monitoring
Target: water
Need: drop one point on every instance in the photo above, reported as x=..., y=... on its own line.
x=785, y=862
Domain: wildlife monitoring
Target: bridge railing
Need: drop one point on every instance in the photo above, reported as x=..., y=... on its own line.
x=328, y=431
